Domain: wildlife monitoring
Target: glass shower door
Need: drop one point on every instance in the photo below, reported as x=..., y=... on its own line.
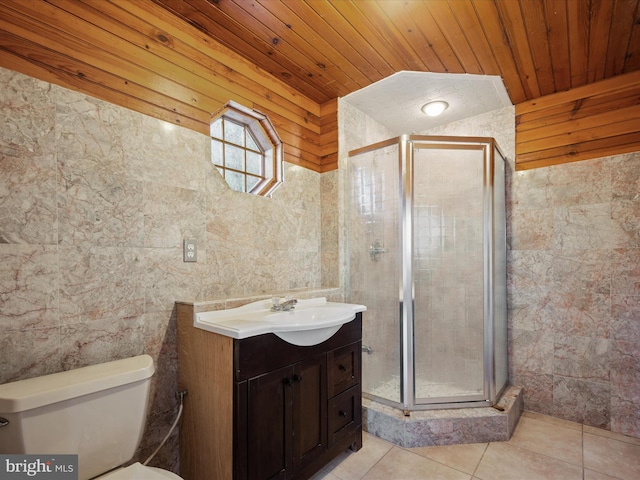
x=374, y=277
x=448, y=272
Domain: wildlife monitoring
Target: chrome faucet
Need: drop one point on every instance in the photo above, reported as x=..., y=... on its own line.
x=285, y=306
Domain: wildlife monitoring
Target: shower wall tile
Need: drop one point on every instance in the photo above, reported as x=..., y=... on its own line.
x=95, y=202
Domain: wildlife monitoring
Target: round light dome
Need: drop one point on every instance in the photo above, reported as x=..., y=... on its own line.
x=433, y=109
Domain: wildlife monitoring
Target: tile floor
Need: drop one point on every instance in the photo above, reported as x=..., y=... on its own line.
x=542, y=447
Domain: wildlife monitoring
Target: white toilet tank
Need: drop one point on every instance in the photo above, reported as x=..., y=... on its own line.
x=97, y=412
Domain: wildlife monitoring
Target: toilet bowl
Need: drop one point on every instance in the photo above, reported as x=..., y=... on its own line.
x=137, y=471
x=97, y=412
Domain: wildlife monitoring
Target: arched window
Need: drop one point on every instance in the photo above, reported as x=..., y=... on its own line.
x=246, y=150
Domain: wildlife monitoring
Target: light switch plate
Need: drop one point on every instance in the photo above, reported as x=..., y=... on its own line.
x=190, y=251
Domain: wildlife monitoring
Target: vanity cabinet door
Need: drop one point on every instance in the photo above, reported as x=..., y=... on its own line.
x=269, y=425
x=309, y=410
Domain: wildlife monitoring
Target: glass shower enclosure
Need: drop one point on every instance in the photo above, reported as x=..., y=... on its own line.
x=426, y=243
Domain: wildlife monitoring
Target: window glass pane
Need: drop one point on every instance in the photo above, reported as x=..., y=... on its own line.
x=216, y=128
x=254, y=163
x=233, y=157
x=235, y=180
x=251, y=143
x=221, y=172
x=234, y=133
x=251, y=182
x=216, y=152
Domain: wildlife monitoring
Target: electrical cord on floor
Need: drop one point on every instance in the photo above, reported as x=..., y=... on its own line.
x=180, y=395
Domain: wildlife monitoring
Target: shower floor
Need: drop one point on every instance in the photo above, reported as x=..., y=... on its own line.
x=390, y=390
x=444, y=426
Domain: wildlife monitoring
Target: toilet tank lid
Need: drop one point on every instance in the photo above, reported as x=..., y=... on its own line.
x=36, y=392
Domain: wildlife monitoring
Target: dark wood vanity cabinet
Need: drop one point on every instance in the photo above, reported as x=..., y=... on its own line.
x=296, y=407
x=292, y=408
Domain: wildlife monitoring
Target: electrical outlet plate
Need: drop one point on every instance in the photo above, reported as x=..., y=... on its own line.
x=190, y=251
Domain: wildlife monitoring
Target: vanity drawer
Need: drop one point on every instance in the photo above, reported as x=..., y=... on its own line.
x=343, y=368
x=345, y=414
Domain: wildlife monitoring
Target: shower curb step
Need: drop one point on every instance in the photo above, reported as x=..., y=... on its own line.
x=451, y=426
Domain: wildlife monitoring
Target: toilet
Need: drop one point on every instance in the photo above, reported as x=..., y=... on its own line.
x=96, y=412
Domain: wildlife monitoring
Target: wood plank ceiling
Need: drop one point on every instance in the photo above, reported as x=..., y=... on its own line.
x=328, y=49
x=181, y=60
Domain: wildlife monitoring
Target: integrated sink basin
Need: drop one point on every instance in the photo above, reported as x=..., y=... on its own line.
x=311, y=322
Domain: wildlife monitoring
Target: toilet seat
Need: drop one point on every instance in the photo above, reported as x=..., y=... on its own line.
x=137, y=471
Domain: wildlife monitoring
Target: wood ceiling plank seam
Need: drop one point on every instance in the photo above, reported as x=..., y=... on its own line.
x=371, y=69
x=382, y=19
x=450, y=28
x=322, y=73
x=315, y=46
x=515, y=29
x=246, y=41
x=582, y=123
x=578, y=25
x=199, y=41
x=579, y=108
x=604, y=145
x=632, y=60
x=608, y=85
x=351, y=35
x=33, y=60
x=558, y=33
x=77, y=49
x=94, y=45
x=584, y=135
x=537, y=34
x=255, y=91
x=469, y=22
x=363, y=29
x=251, y=93
x=405, y=21
x=619, y=149
x=599, y=28
x=622, y=22
x=494, y=32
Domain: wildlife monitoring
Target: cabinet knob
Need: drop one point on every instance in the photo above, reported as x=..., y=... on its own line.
x=342, y=413
x=286, y=381
x=297, y=378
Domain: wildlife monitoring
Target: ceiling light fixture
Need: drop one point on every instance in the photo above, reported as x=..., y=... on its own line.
x=433, y=109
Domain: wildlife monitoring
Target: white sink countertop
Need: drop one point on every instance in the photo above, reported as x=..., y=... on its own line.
x=310, y=322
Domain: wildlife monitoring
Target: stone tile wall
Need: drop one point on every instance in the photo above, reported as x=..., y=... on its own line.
x=574, y=233
x=95, y=201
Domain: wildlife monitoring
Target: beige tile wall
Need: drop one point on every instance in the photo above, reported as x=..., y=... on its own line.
x=95, y=201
